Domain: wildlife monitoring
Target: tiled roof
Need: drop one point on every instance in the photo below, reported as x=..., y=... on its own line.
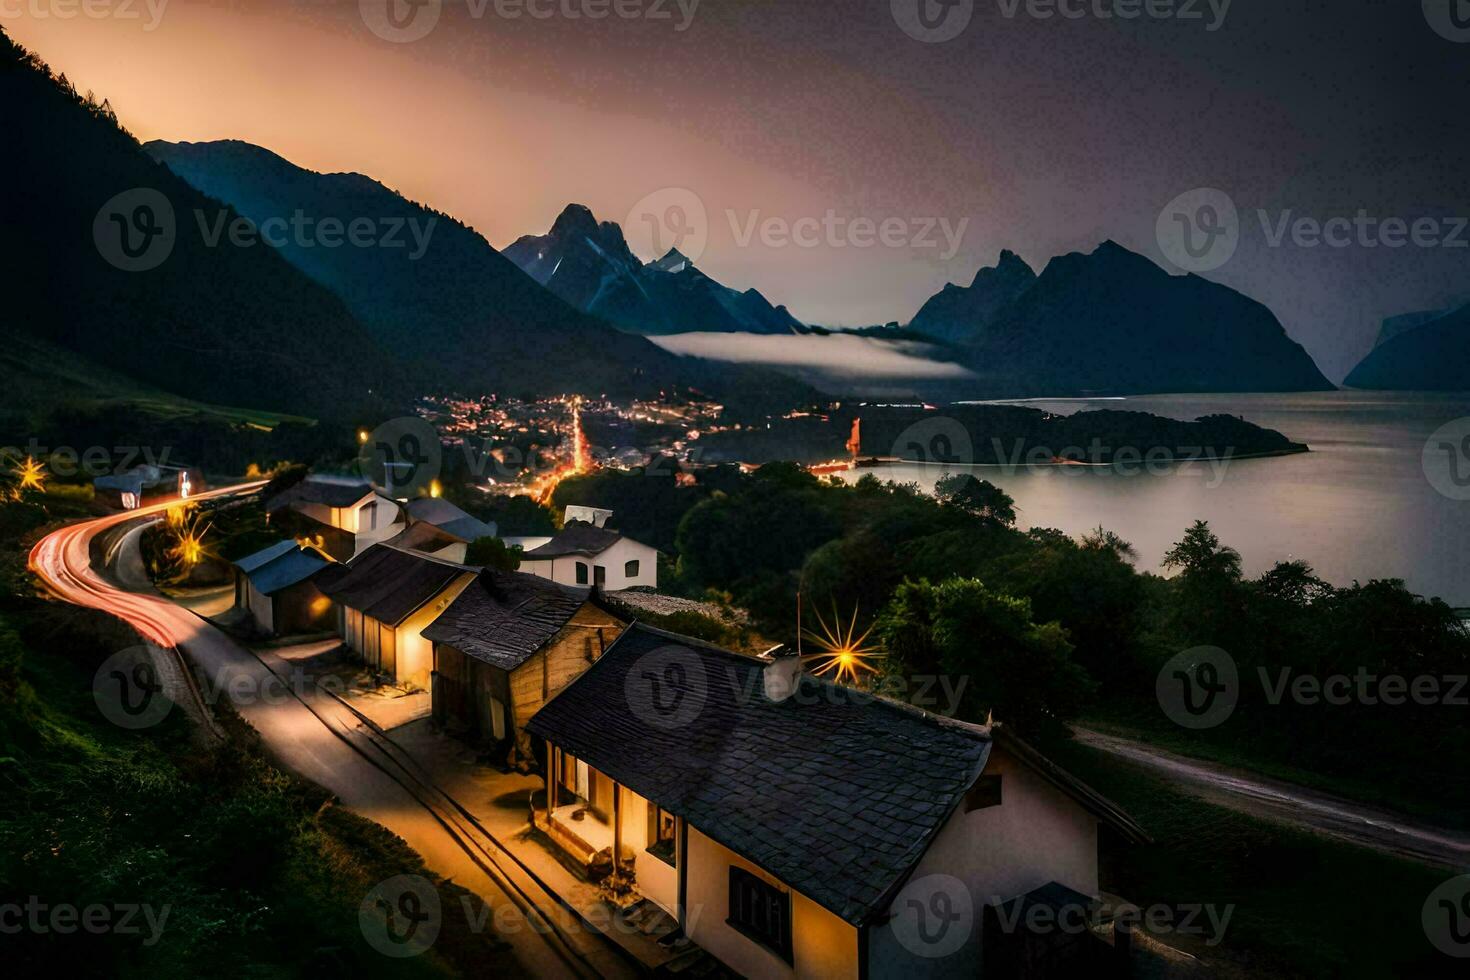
x=502, y=618
x=386, y=583
x=321, y=490
x=835, y=792
x=577, y=538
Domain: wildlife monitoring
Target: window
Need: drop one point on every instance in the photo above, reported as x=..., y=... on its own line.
x=581, y=573
x=661, y=834
x=760, y=912
x=630, y=569
x=985, y=793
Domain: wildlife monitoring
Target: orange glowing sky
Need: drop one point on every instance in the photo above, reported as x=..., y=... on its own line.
x=1043, y=137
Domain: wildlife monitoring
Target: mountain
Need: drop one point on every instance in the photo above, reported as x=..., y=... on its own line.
x=432, y=290
x=1393, y=326
x=1430, y=356
x=1112, y=321
x=103, y=259
x=588, y=264
x=958, y=313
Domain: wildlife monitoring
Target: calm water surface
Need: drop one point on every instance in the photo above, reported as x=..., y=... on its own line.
x=1359, y=506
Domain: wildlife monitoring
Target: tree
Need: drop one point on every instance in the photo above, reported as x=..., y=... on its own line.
x=1293, y=582
x=1017, y=669
x=979, y=497
x=1101, y=540
x=493, y=553
x=1200, y=553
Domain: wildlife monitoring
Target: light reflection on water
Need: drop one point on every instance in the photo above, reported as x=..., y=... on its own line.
x=1357, y=507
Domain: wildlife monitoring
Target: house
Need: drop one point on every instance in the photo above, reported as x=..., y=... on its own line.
x=149, y=483
x=437, y=527
x=584, y=554
x=508, y=644
x=275, y=585
x=349, y=515
x=800, y=828
x=386, y=597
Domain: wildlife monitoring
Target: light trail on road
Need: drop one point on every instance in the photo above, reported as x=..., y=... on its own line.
x=305, y=737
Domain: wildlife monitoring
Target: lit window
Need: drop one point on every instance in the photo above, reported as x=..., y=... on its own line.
x=661, y=833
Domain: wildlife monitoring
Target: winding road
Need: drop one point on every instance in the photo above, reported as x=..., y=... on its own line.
x=1293, y=804
x=320, y=739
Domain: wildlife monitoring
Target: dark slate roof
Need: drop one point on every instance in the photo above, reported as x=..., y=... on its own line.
x=386, y=583
x=319, y=490
x=449, y=518
x=835, y=792
x=502, y=618
x=577, y=538
x=281, y=566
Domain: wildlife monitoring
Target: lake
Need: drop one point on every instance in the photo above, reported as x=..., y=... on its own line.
x=1358, y=506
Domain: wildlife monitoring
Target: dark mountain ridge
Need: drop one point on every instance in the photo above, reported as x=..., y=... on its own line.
x=588, y=264
x=458, y=312
x=1425, y=355
x=214, y=322
x=958, y=313
x=1111, y=321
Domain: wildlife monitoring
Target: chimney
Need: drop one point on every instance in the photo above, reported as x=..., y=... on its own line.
x=782, y=673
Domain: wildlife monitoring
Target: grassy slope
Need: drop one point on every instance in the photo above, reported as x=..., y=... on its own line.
x=1303, y=905
x=42, y=376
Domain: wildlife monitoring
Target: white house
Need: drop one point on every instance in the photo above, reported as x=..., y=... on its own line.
x=584, y=554
x=799, y=828
x=352, y=515
x=386, y=597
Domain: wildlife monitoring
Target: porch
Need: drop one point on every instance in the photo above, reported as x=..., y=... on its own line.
x=617, y=838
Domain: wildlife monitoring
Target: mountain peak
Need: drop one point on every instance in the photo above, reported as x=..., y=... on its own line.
x=575, y=219
x=1010, y=267
x=673, y=261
